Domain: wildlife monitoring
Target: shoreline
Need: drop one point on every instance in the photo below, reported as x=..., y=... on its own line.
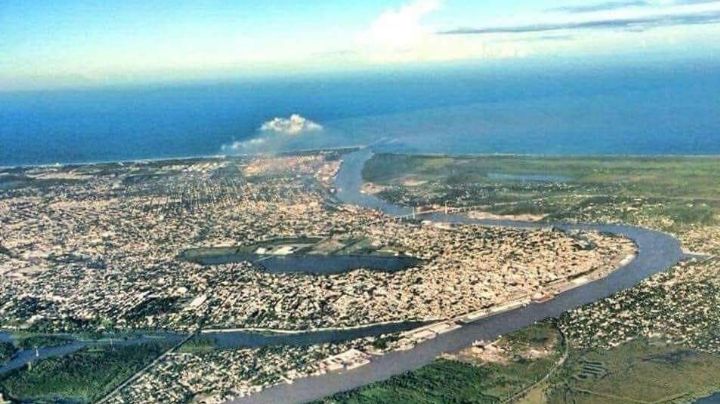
x=311, y=330
x=148, y=160
x=220, y=155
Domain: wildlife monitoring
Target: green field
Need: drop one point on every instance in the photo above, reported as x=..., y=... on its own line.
x=198, y=344
x=492, y=179
x=674, y=194
x=638, y=371
x=334, y=246
x=633, y=176
x=197, y=254
x=83, y=376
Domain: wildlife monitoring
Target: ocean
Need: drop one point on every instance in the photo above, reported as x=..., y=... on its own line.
x=645, y=109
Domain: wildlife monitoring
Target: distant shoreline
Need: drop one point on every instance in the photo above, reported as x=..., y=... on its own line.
x=178, y=158
x=221, y=156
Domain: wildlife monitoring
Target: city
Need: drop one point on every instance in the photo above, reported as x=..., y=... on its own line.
x=373, y=202
x=115, y=234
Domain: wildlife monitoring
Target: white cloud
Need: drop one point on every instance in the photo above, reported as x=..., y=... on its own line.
x=294, y=125
x=404, y=35
x=400, y=27
x=609, y=15
x=273, y=134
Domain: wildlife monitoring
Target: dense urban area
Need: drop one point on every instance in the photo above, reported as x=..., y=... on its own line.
x=107, y=254
x=656, y=342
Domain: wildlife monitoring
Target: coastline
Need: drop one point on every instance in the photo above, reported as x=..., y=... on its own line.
x=148, y=160
x=172, y=158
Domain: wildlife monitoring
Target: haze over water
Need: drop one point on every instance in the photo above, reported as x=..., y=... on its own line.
x=643, y=110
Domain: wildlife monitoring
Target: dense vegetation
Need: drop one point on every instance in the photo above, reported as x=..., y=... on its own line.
x=85, y=376
x=7, y=350
x=32, y=341
x=441, y=382
x=198, y=344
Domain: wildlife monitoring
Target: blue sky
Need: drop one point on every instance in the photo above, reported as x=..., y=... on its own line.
x=55, y=43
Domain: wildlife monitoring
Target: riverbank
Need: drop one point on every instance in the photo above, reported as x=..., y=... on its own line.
x=657, y=252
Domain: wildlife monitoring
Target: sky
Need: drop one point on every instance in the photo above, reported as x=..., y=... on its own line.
x=65, y=43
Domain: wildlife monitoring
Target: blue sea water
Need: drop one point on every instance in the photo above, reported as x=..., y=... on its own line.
x=714, y=399
x=673, y=109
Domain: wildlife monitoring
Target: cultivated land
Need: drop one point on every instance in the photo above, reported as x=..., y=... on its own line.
x=657, y=342
x=115, y=248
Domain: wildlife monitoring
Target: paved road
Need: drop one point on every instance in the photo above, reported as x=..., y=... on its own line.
x=657, y=252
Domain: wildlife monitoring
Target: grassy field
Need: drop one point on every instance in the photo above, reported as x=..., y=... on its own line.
x=198, y=344
x=302, y=246
x=638, y=371
x=675, y=194
x=634, y=176
x=83, y=376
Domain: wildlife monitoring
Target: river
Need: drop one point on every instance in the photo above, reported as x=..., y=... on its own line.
x=25, y=356
x=657, y=252
x=714, y=399
x=247, y=339
x=231, y=339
